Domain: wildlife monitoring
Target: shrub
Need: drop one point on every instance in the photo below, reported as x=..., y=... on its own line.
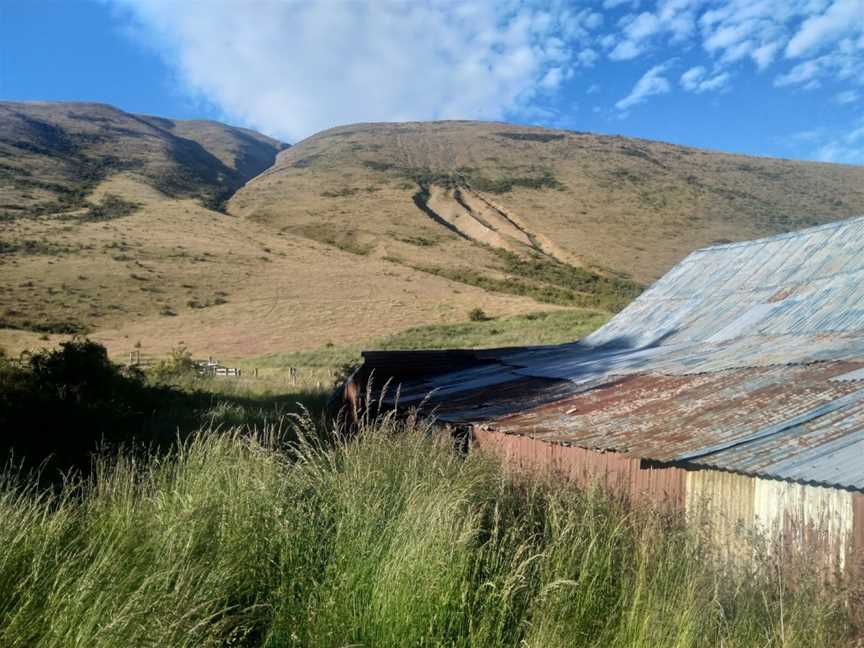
x=532, y=137
x=57, y=406
x=478, y=315
x=109, y=208
x=178, y=367
x=55, y=327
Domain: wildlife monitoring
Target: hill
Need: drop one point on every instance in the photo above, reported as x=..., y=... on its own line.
x=109, y=230
x=54, y=154
x=138, y=229
x=427, y=193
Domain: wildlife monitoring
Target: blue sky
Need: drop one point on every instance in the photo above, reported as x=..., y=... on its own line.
x=781, y=78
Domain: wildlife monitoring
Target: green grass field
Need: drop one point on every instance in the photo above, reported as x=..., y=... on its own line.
x=392, y=539
x=543, y=327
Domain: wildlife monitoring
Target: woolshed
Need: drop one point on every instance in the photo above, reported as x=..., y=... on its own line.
x=735, y=382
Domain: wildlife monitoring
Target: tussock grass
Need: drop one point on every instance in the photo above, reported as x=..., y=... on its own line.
x=391, y=539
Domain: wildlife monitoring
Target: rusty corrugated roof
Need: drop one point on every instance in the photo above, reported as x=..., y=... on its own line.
x=746, y=357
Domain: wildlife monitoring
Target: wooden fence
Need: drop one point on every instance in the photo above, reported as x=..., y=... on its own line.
x=208, y=367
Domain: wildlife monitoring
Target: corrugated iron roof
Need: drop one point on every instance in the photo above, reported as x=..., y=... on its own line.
x=744, y=357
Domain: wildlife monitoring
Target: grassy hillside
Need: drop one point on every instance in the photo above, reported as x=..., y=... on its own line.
x=108, y=230
x=112, y=226
x=53, y=155
x=429, y=193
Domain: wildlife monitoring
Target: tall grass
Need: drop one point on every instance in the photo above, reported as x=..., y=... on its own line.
x=392, y=539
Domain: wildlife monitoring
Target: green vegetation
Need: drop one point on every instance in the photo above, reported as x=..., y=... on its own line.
x=425, y=177
x=374, y=165
x=504, y=184
x=419, y=241
x=34, y=247
x=532, y=137
x=609, y=292
x=552, y=327
x=478, y=315
x=58, y=406
x=339, y=193
x=548, y=281
x=212, y=516
x=207, y=303
x=109, y=208
x=344, y=239
x=391, y=539
x=63, y=327
x=306, y=162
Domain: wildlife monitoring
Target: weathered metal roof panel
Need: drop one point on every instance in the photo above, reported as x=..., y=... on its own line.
x=784, y=422
x=745, y=357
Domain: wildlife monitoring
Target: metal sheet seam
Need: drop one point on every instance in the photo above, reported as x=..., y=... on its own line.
x=771, y=430
x=858, y=374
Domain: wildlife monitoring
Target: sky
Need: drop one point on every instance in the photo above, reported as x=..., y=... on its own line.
x=781, y=78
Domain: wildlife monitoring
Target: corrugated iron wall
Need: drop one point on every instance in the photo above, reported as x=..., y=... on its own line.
x=797, y=519
x=628, y=476
x=827, y=523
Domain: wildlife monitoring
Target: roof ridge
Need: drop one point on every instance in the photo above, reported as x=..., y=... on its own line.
x=846, y=222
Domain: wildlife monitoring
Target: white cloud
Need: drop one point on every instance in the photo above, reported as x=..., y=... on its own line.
x=842, y=64
x=803, y=29
x=813, y=135
x=846, y=97
x=673, y=18
x=587, y=57
x=847, y=149
x=832, y=145
x=690, y=79
x=552, y=79
x=612, y=4
x=764, y=55
x=291, y=69
x=695, y=80
x=625, y=50
x=651, y=83
x=843, y=17
x=717, y=82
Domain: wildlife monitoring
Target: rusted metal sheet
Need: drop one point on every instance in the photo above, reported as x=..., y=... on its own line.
x=631, y=477
x=745, y=357
x=732, y=509
x=788, y=422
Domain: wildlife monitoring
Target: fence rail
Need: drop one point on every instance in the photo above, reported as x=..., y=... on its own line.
x=208, y=367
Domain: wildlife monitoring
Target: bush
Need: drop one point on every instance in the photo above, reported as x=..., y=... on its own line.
x=478, y=315
x=111, y=207
x=58, y=406
x=178, y=367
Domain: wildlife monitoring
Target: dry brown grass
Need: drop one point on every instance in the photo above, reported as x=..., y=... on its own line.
x=328, y=245
x=633, y=206
x=281, y=292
